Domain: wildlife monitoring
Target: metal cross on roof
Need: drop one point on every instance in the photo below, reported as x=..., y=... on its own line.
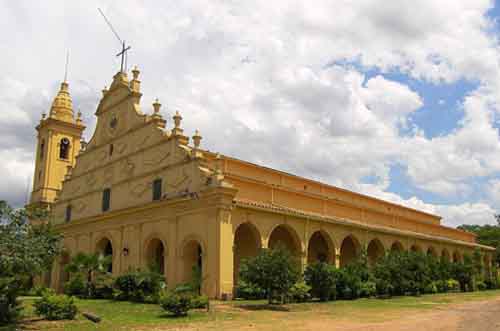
x=123, y=52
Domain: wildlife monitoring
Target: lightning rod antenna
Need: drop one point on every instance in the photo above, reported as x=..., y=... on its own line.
x=123, y=52
x=66, y=67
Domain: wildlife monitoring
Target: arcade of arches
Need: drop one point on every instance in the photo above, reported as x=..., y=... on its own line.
x=178, y=258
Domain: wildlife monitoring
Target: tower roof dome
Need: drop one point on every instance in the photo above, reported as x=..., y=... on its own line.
x=62, y=106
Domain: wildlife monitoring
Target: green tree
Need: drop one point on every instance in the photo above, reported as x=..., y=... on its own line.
x=273, y=270
x=488, y=235
x=26, y=250
x=320, y=277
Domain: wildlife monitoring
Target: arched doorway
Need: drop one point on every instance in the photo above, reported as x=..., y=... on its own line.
x=416, y=248
x=375, y=251
x=286, y=237
x=431, y=252
x=445, y=255
x=397, y=247
x=192, y=259
x=246, y=244
x=349, y=251
x=320, y=248
x=155, y=255
x=105, y=249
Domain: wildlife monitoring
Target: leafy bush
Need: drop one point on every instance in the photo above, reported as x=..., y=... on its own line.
x=321, y=278
x=56, y=307
x=248, y=291
x=9, y=305
x=403, y=273
x=367, y=289
x=481, y=286
x=199, y=302
x=350, y=279
x=102, y=287
x=176, y=304
x=274, y=270
x=138, y=286
x=36, y=291
x=300, y=292
x=431, y=288
x=75, y=286
x=453, y=285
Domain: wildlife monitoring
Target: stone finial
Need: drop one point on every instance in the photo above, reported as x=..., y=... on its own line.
x=156, y=106
x=177, y=131
x=218, y=164
x=177, y=119
x=44, y=115
x=104, y=90
x=135, y=73
x=197, y=139
x=79, y=117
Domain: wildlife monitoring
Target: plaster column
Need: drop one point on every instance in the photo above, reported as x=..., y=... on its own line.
x=225, y=254
x=173, y=257
x=337, y=257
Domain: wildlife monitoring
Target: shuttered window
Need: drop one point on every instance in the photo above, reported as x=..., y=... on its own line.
x=68, y=213
x=106, y=198
x=157, y=189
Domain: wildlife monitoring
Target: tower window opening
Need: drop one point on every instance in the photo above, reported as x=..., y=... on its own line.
x=42, y=149
x=64, y=149
x=111, y=148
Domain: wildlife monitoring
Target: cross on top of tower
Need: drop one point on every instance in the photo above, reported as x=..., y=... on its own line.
x=123, y=54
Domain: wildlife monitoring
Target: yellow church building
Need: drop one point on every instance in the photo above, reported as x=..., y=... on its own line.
x=140, y=192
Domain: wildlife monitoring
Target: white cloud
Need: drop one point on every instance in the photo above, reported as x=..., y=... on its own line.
x=262, y=81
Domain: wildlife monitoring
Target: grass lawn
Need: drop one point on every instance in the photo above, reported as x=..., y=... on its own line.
x=242, y=314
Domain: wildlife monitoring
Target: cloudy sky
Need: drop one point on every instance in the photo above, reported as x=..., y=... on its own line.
x=397, y=99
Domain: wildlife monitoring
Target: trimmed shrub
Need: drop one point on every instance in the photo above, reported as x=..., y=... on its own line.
x=431, y=288
x=56, y=307
x=300, y=292
x=274, y=270
x=453, y=285
x=176, y=304
x=321, y=278
x=199, y=302
x=481, y=286
x=367, y=289
x=75, y=286
x=249, y=291
x=138, y=287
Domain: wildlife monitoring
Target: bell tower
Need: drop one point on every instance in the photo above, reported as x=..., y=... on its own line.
x=58, y=143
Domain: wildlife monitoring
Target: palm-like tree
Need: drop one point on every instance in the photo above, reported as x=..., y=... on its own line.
x=89, y=265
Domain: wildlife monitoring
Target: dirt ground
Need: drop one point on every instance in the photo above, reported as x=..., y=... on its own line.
x=472, y=316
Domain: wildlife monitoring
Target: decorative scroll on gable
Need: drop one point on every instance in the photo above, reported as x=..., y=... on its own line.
x=128, y=151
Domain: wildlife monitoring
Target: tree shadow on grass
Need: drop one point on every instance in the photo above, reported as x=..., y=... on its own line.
x=270, y=307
